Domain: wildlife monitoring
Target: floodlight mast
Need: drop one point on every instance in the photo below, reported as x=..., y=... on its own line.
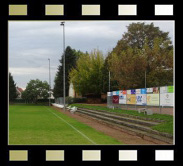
x=49, y=82
x=109, y=81
x=145, y=78
x=63, y=24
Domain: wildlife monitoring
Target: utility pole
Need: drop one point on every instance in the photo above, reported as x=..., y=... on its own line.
x=63, y=24
x=109, y=80
x=145, y=78
x=49, y=82
x=146, y=90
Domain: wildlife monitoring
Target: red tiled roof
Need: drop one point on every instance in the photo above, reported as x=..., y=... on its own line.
x=20, y=89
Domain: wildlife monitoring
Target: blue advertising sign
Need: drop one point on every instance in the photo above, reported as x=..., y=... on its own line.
x=143, y=91
x=117, y=92
x=141, y=99
x=133, y=91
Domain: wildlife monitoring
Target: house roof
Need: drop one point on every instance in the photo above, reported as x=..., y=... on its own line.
x=20, y=89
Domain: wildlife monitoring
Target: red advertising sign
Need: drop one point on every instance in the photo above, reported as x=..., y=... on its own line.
x=124, y=92
x=115, y=99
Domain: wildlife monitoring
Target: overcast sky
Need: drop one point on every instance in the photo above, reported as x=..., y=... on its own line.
x=31, y=43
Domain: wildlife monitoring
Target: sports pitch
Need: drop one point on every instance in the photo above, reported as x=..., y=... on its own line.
x=43, y=125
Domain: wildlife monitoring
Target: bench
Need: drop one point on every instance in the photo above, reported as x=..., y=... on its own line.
x=73, y=109
x=145, y=111
x=69, y=107
x=141, y=110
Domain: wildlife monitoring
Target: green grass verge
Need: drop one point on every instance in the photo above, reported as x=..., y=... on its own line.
x=166, y=126
x=35, y=125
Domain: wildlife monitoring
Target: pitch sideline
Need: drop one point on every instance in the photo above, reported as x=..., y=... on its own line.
x=72, y=126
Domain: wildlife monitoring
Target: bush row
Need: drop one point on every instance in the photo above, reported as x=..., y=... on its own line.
x=38, y=101
x=71, y=100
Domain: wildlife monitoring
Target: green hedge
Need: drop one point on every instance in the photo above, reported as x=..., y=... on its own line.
x=38, y=101
x=71, y=100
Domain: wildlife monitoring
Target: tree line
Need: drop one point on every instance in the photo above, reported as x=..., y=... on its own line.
x=35, y=89
x=143, y=49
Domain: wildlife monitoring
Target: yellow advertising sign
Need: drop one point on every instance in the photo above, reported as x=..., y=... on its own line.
x=131, y=99
x=153, y=99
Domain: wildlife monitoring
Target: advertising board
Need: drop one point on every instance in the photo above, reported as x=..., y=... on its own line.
x=115, y=99
x=153, y=99
x=131, y=99
x=141, y=99
x=167, y=99
x=122, y=98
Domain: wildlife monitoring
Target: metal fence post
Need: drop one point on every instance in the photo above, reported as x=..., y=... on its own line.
x=159, y=101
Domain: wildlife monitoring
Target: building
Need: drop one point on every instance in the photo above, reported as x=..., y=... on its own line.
x=19, y=92
x=72, y=92
x=51, y=96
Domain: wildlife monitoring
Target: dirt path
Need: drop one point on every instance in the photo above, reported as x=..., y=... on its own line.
x=119, y=134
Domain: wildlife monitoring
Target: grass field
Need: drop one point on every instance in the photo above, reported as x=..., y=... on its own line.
x=42, y=125
x=166, y=126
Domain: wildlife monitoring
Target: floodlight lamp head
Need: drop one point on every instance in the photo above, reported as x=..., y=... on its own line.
x=62, y=23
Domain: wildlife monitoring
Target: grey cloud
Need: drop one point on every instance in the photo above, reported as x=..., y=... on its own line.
x=31, y=43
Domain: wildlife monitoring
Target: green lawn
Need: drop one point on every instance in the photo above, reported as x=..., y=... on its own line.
x=166, y=126
x=42, y=125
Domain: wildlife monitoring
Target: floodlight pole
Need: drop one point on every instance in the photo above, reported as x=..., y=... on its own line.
x=63, y=24
x=109, y=80
x=146, y=90
x=49, y=82
x=145, y=78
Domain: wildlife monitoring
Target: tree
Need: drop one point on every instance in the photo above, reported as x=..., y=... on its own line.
x=105, y=76
x=138, y=34
x=12, y=89
x=128, y=69
x=159, y=65
x=143, y=48
x=87, y=76
x=36, y=89
x=71, y=56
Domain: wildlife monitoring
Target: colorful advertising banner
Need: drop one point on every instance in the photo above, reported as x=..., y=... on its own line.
x=128, y=92
x=154, y=96
x=117, y=92
x=163, y=89
x=124, y=92
x=133, y=92
x=114, y=93
x=122, y=98
x=141, y=99
x=153, y=99
x=143, y=91
x=155, y=90
x=131, y=99
x=170, y=89
x=149, y=90
x=167, y=99
x=120, y=92
x=138, y=91
x=141, y=96
x=115, y=99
